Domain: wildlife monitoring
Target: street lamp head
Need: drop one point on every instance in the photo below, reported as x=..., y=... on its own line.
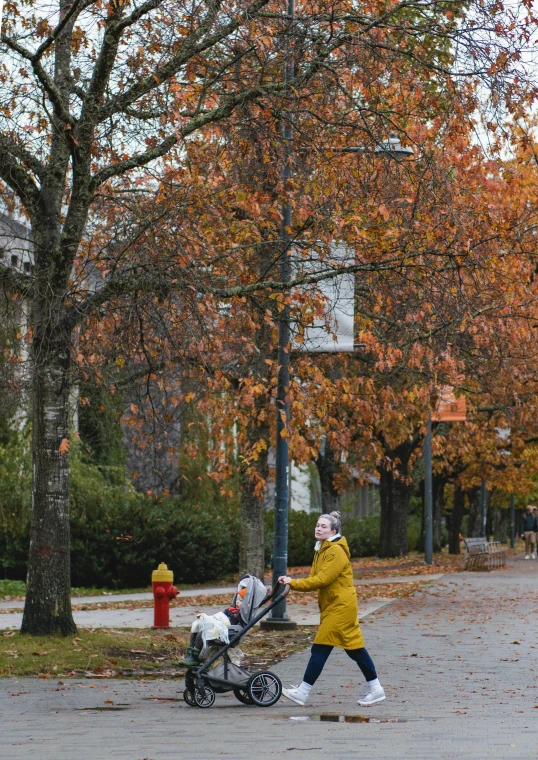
x=393, y=147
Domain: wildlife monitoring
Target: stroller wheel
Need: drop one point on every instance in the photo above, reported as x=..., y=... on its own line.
x=206, y=699
x=264, y=688
x=188, y=696
x=243, y=697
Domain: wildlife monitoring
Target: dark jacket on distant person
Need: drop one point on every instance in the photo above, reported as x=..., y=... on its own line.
x=528, y=522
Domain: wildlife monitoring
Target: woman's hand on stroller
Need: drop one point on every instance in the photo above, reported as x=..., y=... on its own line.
x=284, y=579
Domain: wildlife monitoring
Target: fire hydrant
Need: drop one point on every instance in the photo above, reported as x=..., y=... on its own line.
x=163, y=590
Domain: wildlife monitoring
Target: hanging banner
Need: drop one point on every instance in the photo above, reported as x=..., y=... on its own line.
x=334, y=331
x=449, y=408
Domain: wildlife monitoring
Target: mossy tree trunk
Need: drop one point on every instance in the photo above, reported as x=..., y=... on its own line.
x=439, y=483
x=395, y=489
x=48, y=605
x=475, y=513
x=328, y=466
x=251, y=537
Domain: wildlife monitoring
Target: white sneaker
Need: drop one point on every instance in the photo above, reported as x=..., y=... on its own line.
x=375, y=693
x=296, y=694
x=527, y=556
x=533, y=555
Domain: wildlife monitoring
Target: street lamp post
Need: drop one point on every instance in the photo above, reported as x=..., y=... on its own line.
x=279, y=617
x=392, y=147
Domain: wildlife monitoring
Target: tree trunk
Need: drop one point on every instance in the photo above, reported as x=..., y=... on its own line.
x=328, y=467
x=501, y=524
x=253, y=475
x=456, y=520
x=422, y=539
x=475, y=513
x=438, y=505
x=395, y=493
x=251, y=538
x=47, y=610
x=395, y=489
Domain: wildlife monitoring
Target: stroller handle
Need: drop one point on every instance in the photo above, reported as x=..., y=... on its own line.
x=274, y=590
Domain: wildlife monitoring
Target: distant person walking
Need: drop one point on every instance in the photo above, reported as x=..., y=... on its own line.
x=331, y=575
x=528, y=528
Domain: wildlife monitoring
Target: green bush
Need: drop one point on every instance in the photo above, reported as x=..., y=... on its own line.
x=12, y=588
x=362, y=535
x=414, y=531
x=118, y=536
x=15, y=503
x=300, y=537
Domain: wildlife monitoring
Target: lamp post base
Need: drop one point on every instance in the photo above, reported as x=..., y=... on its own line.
x=278, y=624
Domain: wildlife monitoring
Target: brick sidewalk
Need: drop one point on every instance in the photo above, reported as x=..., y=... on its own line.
x=458, y=661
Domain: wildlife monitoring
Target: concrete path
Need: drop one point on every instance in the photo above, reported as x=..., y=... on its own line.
x=458, y=661
x=213, y=591
x=141, y=597
x=398, y=579
x=303, y=614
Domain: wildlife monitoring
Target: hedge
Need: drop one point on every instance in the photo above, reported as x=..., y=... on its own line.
x=362, y=535
x=118, y=536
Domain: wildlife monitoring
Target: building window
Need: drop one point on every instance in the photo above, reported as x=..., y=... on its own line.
x=27, y=267
x=14, y=261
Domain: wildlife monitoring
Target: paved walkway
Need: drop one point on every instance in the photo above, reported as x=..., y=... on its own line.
x=458, y=661
x=143, y=617
x=303, y=614
x=141, y=597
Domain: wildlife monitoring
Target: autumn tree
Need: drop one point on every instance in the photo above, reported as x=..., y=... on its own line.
x=97, y=98
x=453, y=308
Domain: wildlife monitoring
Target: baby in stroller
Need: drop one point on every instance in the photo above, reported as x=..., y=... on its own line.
x=219, y=627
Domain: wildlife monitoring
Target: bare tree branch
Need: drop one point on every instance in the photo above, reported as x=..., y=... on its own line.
x=52, y=91
x=15, y=281
x=18, y=151
x=19, y=180
x=76, y=7
x=191, y=47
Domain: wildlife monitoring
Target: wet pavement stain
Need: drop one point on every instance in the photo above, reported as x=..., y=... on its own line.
x=435, y=635
x=163, y=699
x=334, y=718
x=115, y=708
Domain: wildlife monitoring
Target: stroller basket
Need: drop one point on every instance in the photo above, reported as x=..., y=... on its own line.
x=261, y=688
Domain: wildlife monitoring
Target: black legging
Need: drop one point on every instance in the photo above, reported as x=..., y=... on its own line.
x=320, y=654
x=196, y=641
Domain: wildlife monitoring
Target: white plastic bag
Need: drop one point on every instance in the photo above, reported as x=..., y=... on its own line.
x=213, y=627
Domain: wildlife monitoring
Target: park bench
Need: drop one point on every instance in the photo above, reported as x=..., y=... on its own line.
x=483, y=554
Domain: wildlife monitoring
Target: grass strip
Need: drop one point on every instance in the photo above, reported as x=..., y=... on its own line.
x=143, y=652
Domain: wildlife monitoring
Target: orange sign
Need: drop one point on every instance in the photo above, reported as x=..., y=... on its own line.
x=449, y=408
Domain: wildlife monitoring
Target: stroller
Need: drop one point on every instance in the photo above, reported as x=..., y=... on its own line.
x=218, y=674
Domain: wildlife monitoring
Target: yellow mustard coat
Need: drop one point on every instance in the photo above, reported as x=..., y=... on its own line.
x=331, y=575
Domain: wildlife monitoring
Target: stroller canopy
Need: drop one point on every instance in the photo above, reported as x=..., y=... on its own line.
x=255, y=593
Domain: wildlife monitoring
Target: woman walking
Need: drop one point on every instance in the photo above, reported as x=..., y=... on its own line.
x=331, y=575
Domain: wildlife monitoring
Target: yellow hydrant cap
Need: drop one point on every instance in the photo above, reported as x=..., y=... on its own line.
x=162, y=574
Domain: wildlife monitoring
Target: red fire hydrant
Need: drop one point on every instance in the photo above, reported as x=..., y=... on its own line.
x=163, y=590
